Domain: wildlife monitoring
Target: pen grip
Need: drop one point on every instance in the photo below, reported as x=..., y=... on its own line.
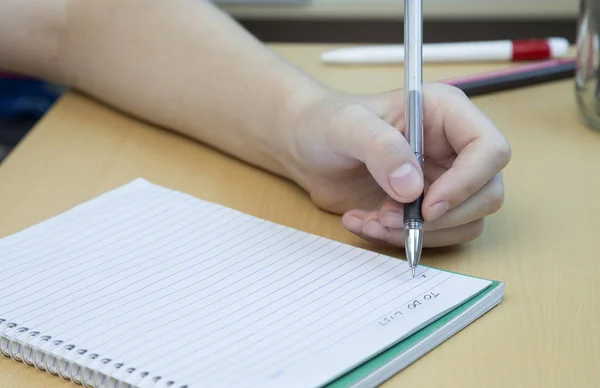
x=412, y=210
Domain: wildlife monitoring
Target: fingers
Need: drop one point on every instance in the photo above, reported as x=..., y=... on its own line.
x=461, y=224
x=444, y=237
x=373, y=231
x=483, y=203
x=353, y=221
x=464, y=155
x=358, y=133
x=481, y=149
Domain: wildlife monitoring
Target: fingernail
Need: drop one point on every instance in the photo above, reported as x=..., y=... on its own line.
x=353, y=224
x=437, y=210
x=393, y=219
x=375, y=230
x=405, y=180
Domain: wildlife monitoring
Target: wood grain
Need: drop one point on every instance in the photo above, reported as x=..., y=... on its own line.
x=544, y=243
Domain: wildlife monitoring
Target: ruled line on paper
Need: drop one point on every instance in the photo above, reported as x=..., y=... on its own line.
x=221, y=308
x=99, y=261
x=123, y=308
x=192, y=301
x=250, y=351
x=148, y=329
x=155, y=260
x=339, y=337
x=302, y=296
x=149, y=210
x=325, y=329
x=110, y=201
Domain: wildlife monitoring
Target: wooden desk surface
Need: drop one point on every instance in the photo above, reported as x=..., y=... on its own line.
x=544, y=243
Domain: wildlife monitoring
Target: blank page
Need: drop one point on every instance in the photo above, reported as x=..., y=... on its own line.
x=156, y=285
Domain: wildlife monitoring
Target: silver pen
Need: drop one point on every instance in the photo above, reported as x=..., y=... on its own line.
x=413, y=86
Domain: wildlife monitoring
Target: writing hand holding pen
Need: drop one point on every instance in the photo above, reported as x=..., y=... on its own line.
x=353, y=157
x=349, y=152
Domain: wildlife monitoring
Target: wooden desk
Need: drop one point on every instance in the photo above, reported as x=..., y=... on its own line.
x=544, y=243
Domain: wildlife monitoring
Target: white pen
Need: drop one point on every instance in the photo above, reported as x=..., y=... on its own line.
x=482, y=51
x=413, y=89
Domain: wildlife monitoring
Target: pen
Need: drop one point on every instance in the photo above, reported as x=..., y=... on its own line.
x=515, y=77
x=413, y=85
x=479, y=51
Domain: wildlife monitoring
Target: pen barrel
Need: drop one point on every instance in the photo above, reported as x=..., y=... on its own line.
x=413, y=80
x=413, y=74
x=413, y=45
x=414, y=123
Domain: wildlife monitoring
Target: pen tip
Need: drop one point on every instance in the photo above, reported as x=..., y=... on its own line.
x=413, y=271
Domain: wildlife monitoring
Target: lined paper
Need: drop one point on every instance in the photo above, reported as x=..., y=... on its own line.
x=165, y=286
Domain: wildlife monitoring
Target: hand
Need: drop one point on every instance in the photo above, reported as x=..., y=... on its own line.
x=351, y=155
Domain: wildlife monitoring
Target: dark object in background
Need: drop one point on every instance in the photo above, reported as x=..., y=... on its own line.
x=365, y=31
x=515, y=77
x=23, y=101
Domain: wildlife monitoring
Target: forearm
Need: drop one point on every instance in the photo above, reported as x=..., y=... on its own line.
x=183, y=65
x=30, y=33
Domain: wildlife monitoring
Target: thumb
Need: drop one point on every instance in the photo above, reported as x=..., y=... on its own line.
x=362, y=135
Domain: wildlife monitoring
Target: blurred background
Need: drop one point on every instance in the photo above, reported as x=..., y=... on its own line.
x=24, y=101
x=350, y=21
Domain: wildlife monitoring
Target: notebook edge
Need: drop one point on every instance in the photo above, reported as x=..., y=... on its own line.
x=494, y=292
x=494, y=295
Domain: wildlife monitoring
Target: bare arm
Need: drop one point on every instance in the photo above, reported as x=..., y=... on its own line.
x=185, y=65
x=181, y=64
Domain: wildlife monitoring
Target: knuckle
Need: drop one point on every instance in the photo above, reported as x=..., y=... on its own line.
x=496, y=197
x=457, y=92
x=474, y=230
x=349, y=112
x=435, y=225
x=449, y=90
x=503, y=151
x=345, y=116
x=381, y=143
x=464, y=192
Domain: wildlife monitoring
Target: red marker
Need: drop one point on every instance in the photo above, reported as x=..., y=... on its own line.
x=482, y=51
x=537, y=49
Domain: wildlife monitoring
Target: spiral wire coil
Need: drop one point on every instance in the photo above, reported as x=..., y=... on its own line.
x=84, y=368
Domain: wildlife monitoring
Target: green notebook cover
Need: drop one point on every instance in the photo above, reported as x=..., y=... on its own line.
x=386, y=356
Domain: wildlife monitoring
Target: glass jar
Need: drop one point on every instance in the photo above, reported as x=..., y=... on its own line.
x=587, y=77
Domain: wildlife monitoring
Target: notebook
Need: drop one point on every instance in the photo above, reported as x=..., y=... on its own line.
x=145, y=286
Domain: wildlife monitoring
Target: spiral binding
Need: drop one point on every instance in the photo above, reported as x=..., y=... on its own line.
x=21, y=344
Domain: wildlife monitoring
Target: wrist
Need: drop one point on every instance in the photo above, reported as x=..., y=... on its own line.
x=293, y=109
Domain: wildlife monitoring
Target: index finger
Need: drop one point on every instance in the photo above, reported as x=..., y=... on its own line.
x=481, y=149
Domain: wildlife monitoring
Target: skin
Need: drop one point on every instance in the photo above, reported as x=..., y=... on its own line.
x=188, y=67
